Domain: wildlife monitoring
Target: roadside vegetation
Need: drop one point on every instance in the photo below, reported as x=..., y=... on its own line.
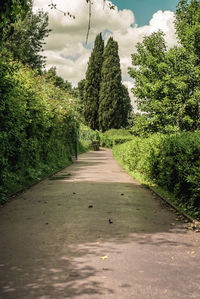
x=168, y=163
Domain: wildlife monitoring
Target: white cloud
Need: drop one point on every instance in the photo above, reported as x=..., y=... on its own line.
x=65, y=47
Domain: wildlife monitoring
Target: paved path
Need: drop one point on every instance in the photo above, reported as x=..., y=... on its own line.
x=56, y=240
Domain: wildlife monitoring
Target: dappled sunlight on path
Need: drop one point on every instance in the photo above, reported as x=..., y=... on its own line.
x=90, y=231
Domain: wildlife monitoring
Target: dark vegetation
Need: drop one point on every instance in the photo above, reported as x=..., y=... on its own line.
x=106, y=100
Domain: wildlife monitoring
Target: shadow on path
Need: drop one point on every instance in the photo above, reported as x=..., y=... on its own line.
x=90, y=231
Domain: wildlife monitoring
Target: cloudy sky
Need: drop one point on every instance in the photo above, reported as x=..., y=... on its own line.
x=128, y=23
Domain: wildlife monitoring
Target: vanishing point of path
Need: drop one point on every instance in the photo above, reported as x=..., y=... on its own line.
x=56, y=240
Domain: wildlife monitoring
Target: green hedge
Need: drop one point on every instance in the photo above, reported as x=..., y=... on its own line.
x=37, y=127
x=87, y=136
x=169, y=161
x=113, y=137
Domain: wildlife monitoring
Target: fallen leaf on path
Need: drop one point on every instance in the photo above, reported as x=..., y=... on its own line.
x=103, y=257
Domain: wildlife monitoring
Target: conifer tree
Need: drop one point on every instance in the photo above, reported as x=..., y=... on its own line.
x=126, y=106
x=111, y=95
x=92, y=84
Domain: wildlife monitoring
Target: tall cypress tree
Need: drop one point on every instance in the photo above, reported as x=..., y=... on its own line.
x=111, y=95
x=126, y=106
x=92, y=84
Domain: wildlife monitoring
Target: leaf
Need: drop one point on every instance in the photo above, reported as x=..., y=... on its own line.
x=103, y=257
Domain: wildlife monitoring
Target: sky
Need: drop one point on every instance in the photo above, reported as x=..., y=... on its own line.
x=144, y=9
x=129, y=23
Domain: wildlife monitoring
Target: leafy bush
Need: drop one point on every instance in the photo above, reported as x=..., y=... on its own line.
x=113, y=137
x=170, y=161
x=37, y=126
x=86, y=136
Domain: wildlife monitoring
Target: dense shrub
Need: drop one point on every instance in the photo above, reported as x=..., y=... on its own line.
x=37, y=126
x=113, y=137
x=87, y=136
x=170, y=161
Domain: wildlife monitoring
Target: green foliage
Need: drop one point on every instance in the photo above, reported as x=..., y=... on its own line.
x=111, y=97
x=126, y=105
x=92, y=84
x=144, y=126
x=51, y=76
x=170, y=161
x=166, y=86
x=187, y=25
x=80, y=91
x=10, y=10
x=37, y=124
x=25, y=38
x=87, y=136
x=113, y=137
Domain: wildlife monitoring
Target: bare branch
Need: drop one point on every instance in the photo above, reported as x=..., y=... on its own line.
x=52, y=5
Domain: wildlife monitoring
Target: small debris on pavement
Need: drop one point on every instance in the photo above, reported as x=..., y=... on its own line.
x=103, y=257
x=193, y=226
x=110, y=221
x=122, y=194
x=90, y=206
x=74, y=192
x=99, y=242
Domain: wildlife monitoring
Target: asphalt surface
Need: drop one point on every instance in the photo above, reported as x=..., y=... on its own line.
x=90, y=231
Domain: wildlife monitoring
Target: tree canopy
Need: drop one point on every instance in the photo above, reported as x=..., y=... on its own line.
x=25, y=37
x=111, y=99
x=167, y=80
x=92, y=84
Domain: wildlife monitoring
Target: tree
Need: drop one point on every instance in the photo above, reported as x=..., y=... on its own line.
x=166, y=85
x=126, y=106
x=81, y=88
x=111, y=93
x=9, y=12
x=152, y=76
x=26, y=38
x=92, y=84
x=58, y=81
x=188, y=26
